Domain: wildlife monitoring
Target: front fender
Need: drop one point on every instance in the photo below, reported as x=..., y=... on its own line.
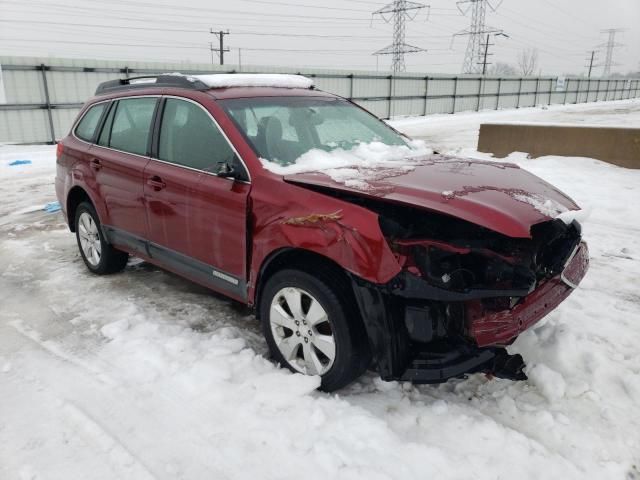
x=296, y=217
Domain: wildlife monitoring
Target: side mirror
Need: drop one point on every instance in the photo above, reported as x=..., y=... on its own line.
x=225, y=170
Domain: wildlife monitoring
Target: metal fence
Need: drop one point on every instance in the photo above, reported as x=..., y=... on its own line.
x=39, y=98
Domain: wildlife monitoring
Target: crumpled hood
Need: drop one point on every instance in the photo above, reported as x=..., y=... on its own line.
x=499, y=196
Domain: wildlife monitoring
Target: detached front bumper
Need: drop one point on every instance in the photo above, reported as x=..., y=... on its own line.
x=394, y=313
x=502, y=327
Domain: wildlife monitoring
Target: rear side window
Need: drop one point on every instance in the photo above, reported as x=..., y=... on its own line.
x=132, y=125
x=86, y=129
x=189, y=137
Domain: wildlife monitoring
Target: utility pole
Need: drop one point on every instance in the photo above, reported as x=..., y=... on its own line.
x=486, y=53
x=610, y=45
x=399, y=11
x=220, y=51
x=484, y=62
x=590, y=60
x=476, y=31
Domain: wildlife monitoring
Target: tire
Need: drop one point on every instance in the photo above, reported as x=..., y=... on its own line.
x=99, y=257
x=298, y=334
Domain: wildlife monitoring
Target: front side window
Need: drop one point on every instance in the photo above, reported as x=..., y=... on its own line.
x=189, y=137
x=86, y=129
x=131, y=126
x=282, y=129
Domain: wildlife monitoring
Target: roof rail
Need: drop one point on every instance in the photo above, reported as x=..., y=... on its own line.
x=179, y=81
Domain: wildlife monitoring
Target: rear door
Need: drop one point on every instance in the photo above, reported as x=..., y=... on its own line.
x=119, y=159
x=197, y=220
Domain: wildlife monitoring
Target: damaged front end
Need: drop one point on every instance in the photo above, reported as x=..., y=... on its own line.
x=463, y=294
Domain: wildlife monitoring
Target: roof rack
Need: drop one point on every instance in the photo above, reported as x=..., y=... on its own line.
x=180, y=81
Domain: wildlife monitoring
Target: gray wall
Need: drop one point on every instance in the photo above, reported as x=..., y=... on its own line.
x=40, y=97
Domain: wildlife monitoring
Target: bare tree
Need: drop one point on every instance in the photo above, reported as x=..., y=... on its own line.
x=501, y=68
x=528, y=61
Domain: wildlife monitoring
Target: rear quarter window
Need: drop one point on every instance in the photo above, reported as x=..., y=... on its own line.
x=86, y=128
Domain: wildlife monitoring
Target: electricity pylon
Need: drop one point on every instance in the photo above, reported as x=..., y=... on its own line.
x=399, y=11
x=610, y=45
x=476, y=31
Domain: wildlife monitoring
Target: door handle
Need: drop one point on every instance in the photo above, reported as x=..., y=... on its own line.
x=95, y=164
x=156, y=182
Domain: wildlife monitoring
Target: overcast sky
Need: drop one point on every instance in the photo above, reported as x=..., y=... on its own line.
x=327, y=33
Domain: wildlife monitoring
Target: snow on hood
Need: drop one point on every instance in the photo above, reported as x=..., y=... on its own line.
x=358, y=166
x=224, y=80
x=545, y=206
x=495, y=195
x=578, y=215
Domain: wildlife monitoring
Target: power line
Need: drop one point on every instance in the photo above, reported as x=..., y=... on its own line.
x=179, y=30
x=195, y=46
x=572, y=15
x=201, y=10
x=399, y=11
x=125, y=27
x=559, y=33
x=216, y=11
x=270, y=23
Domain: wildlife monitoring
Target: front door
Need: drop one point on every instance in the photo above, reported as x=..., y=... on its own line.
x=196, y=220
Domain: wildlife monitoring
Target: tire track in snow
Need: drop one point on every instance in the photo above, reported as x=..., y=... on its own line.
x=118, y=455
x=119, y=401
x=53, y=349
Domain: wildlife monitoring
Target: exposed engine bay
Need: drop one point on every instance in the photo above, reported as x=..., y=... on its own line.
x=457, y=256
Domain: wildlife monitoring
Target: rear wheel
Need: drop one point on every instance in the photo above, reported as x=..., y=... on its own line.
x=99, y=257
x=311, y=329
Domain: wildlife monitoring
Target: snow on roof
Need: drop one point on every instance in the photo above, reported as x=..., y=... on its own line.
x=223, y=80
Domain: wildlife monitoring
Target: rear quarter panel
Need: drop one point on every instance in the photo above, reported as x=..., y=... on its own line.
x=72, y=169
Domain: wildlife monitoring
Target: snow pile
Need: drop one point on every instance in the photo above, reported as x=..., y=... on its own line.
x=227, y=80
x=356, y=167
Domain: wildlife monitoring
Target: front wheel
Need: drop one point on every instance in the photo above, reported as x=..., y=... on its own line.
x=311, y=329
x=98, y=255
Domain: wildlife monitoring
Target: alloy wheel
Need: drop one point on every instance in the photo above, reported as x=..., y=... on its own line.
x=302, y=331
x=89, y=239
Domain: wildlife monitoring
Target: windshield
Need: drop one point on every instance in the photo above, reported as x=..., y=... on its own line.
x=282, y=129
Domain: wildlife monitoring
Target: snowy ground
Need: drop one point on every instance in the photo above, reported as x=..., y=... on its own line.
x=144, y=375
x=452, y=132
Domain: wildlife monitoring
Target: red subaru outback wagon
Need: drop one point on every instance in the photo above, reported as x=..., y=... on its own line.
x=357, y=247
